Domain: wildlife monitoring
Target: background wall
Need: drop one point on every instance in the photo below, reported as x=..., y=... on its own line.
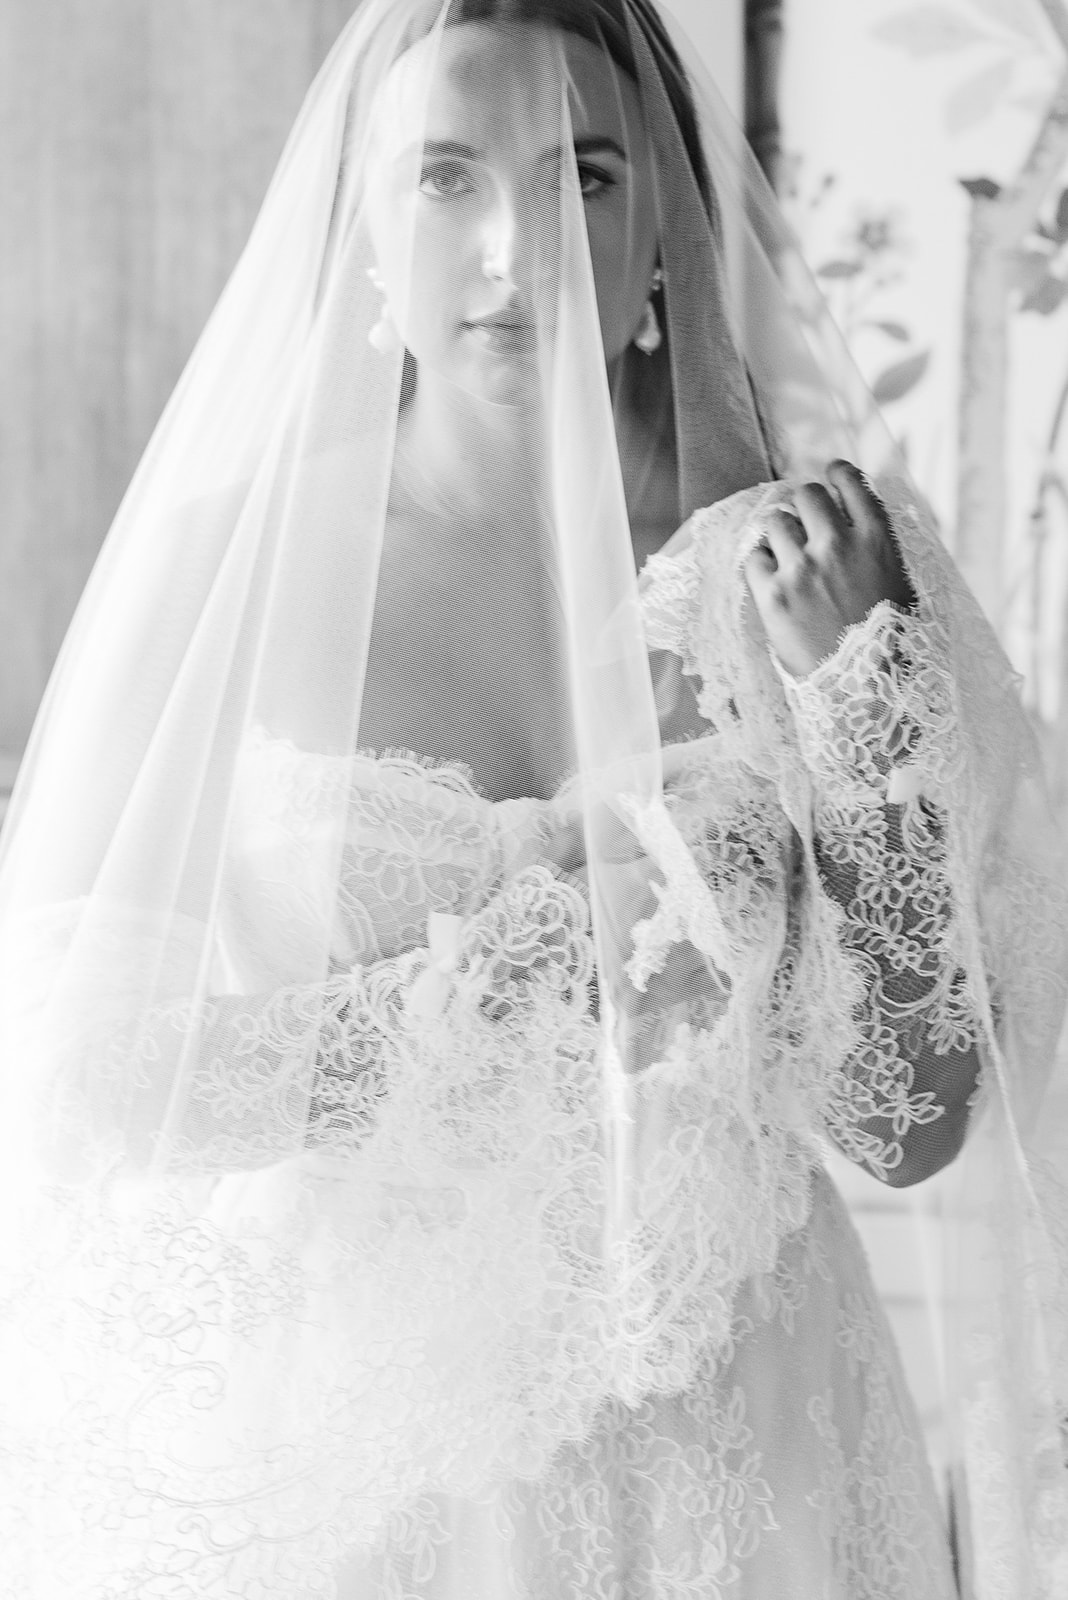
x=136, y=140
x=717, y=27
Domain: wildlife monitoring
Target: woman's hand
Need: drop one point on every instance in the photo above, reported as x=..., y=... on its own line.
x=818, y=572
x=686, y=975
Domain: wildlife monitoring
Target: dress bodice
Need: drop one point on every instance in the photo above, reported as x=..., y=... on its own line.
x=371, y=844
x=366, y=847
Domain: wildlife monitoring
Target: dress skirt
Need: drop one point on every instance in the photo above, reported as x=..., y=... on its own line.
x=794, y=1470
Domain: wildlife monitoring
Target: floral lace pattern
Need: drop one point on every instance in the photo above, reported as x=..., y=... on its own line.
x=913, y=784
x=864, y=766
x=745, y=1486
x=886, y=714
x=391, y=1305
x=632, y=1404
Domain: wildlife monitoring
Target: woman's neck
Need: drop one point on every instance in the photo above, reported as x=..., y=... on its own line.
x=483, y=465
x=460, y=455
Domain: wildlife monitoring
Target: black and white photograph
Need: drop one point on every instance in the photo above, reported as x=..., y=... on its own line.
x=534, y=800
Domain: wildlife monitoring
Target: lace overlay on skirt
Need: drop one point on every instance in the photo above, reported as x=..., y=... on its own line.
x=760, y=1442
x=793, y=1469
x=376, y=1338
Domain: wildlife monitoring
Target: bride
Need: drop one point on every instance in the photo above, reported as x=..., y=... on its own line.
x=514, y=796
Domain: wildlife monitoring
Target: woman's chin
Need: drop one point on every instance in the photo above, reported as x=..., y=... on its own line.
x=500, y=379
x=498, y=370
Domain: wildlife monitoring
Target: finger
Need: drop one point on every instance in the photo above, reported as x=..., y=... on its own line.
x=678, y=760
x=687, y=974
x=770, y=587
x=872, y=519
x=567, y=847
x=786, y=538
x=824, y=523
x=760, y=561
x=866, y=511
x=611, y=839
x=765, y=586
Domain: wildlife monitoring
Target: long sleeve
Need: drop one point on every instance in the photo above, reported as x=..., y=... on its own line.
x=306, y=1066
x=233, y=1082
x=877, y=733
x=227, y=1081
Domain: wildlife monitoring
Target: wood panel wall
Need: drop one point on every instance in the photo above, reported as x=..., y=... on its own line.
x=763, y=59
x=137, y=138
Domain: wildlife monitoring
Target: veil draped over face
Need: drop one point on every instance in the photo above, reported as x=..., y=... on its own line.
x=358, y=1141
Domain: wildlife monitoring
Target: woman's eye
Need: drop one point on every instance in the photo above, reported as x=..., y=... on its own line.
x=594, y=180
x=445, y=180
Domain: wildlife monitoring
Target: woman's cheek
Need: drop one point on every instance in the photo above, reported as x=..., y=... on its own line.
x=432, y=320
x=623, y=251
x=608, y=253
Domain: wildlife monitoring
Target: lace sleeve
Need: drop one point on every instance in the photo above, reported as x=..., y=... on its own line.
x=303, y=1067
x=879, y=738
x=229, y=1082
x=233, y=1082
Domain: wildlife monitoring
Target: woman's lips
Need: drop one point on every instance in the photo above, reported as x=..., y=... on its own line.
x=504, y=335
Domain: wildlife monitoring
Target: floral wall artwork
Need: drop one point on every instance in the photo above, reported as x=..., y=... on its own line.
x=927, y=177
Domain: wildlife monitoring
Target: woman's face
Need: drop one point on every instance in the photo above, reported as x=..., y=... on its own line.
x=470, y=196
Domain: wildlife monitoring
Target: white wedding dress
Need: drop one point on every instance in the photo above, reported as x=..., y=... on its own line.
x=386, y=1213
x=785, y=1461
x=441, y=1307
x=792, y=1467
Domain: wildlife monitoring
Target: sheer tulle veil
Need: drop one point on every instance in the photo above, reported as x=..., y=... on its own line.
x=331, y=1181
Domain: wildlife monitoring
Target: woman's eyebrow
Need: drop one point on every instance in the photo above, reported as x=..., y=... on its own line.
x=440, y=147
x=592, y=144
x=599, y=143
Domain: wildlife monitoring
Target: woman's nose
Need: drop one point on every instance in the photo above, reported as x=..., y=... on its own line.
x=499, y=243
x=506, y=242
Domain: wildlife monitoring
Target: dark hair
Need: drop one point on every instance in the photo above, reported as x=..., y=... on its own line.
x=608, y=23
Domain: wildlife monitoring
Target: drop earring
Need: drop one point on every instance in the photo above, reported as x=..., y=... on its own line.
x=649, y=336
x=383, y=336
